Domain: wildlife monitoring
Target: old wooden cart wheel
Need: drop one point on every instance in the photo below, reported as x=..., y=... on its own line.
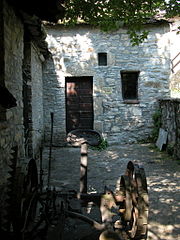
x=142, y=204
x=29, y=197
x=22, y=200
x=125, y=188
x=134, y=187
x=129, y=213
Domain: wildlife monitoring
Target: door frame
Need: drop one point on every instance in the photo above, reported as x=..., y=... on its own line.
x=90, y=78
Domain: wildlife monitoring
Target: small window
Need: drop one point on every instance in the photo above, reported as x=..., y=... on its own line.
x=130, y=85
x=102, y=59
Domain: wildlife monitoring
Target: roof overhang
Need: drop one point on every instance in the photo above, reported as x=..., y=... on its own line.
x=49, y=10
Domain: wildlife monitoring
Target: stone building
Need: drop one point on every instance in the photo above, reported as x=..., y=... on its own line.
x=23, y=50
x=123, y=82
x=45, y=68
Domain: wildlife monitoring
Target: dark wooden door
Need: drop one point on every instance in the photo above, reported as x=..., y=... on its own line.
x=79, y=103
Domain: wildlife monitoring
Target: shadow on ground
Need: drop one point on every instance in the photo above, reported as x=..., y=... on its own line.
x=105, y=168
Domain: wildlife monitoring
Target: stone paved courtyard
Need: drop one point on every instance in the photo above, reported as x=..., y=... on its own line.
x=105, y=167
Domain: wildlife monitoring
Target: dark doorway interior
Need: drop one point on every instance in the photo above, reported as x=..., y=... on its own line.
x=129, y=84
x=79, y=103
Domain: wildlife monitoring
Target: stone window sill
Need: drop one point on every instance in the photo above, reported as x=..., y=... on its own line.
x=131, y=101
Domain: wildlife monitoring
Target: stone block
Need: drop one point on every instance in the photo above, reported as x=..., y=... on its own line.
x=98, y=126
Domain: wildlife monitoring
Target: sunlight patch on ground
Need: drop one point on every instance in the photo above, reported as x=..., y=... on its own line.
x=112, y=154
x=162, y=186
x=165, y=200
x=159, y=231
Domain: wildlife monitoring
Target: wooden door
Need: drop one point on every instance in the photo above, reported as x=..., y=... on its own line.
x=79, y=103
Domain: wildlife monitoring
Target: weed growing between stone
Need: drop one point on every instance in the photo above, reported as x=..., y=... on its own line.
x=102, y=146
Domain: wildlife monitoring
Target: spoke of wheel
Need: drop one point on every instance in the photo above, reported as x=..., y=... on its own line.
x=125, y=187
x=143, y=204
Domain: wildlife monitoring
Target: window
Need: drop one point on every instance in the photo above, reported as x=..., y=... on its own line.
x=102, y=59
x=129, y=81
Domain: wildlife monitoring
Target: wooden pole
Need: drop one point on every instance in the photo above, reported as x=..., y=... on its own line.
x=83, y=167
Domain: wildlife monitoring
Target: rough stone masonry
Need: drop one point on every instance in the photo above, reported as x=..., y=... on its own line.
x=75, y=53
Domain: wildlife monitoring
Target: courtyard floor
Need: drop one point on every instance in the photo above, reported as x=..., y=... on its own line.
x=104, y=169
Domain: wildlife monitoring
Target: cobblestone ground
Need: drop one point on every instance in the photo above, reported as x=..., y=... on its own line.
x=105, y=167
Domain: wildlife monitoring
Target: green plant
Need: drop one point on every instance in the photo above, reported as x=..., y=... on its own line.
x=111, y=15
x=170, y=149
x=102, y=146
x=157, y=124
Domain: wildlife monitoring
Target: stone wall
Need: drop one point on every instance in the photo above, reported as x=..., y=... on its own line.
x=33, y=99
x=11, y=128
x=170, y=110
x=37, y=100
x=20, y=66
x=1, y=43
x=54, y=101
x=74, y=53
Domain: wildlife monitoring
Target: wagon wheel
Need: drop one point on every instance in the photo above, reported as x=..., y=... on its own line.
x=29, y=198
x=130, y=213
x=22, y=198
x=142, y=204
x=134, y=187
x=17, y=192
x=125, y=188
